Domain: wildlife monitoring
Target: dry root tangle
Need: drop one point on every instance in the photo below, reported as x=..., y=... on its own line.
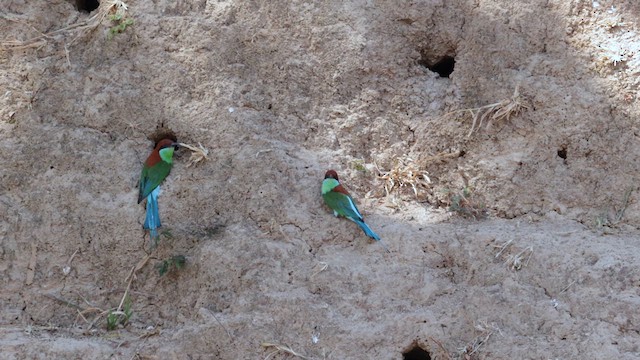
x=499, y=111
x=110, y=7
x=404, y=174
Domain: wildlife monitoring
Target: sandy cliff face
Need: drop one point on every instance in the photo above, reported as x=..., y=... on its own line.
x=278, y=92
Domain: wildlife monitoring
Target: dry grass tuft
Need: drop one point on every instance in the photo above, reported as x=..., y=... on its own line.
x=198, y=154
x=404, y=174
x=322, y=266
x=281, y=349
x=514, y=261
x=116, y=7
x=499, y=111
x=470, y=352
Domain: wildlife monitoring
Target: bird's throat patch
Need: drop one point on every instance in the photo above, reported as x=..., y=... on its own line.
x=166, y=154
x=328, y=184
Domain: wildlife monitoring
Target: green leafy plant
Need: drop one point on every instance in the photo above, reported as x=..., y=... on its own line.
x=358, y=165
x=175, y=262
x=612, y=218
x=115, y=317
x=466, y=204
x=121, y=24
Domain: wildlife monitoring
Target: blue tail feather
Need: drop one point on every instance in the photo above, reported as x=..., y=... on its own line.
x=370, y=233
x=152, y=220
x=367, y=230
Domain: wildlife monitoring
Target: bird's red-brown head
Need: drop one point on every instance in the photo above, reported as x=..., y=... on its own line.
x=165, y=143
x=155, y=156
x=331, y=174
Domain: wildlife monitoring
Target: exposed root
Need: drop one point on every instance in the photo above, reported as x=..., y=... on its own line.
x=405, y=173
x=499, y=111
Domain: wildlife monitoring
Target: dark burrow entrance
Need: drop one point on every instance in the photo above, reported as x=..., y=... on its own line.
x=444, y=66
x=415, y=352
x=87, y=5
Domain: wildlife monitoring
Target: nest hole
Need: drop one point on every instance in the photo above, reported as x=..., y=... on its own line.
x=562, y=153
x=87, y=5
x=443, y=65
x=416, y=353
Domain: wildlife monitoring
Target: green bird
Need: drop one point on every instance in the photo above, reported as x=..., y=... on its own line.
x=342, y=204
x=155, y=170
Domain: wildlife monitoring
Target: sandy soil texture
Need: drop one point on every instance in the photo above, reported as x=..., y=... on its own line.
x=493, y=145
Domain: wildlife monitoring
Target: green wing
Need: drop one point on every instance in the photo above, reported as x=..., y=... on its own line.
x=342, y=205
x=151, y=177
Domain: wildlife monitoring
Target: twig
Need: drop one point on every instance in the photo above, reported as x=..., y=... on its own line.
x=82, y=316
x=72, y=256
x=139, y=266
x=67, y=269
x=503, y=247
x=126, y=291
x=224, y=327
x=260, y=152
x=567, y=287
x=209, y=312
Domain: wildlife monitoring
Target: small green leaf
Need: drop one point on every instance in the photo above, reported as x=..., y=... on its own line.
x=179, y=261
x=112, y=321
x=163, y=267
x=167, y=234
x=176, y=262
x=359, y=165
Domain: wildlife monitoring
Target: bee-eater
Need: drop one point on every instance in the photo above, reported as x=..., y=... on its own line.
x=155, y=170
x=342, y=204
